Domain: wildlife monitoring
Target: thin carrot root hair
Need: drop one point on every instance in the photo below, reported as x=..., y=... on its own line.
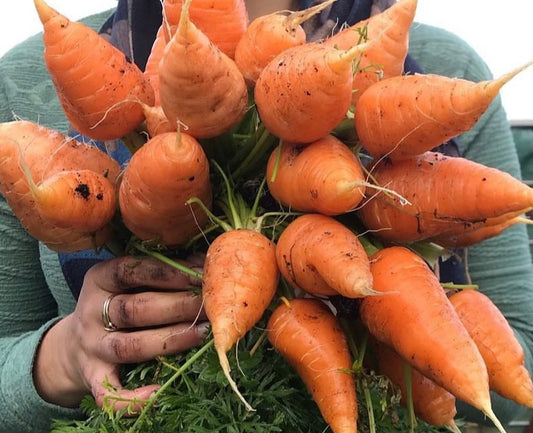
x=226, y=369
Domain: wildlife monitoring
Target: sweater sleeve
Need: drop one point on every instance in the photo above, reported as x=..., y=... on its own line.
x=28, y=306
x=501, y=266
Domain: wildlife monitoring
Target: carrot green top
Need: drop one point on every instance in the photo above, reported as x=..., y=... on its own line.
x=34, y=294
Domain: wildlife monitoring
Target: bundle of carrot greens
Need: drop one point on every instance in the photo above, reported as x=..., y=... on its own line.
x=305, y=173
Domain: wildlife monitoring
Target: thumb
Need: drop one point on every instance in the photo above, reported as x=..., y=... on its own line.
x=108, y=391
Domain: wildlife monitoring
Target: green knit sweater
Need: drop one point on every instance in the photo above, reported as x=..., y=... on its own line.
x=33, y=293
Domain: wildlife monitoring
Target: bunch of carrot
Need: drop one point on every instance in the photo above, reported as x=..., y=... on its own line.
x=177, y=192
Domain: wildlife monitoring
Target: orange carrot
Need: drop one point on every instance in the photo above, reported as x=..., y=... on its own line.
x=98, y=87
x=444, y=196
x=222, y=21
x=81, y=200
x=476, y=235
x=200, y=87
x=269, y=35
x=167, y=171
x=309, y=336
x=431, y=402
x=388, y=36
x=151, y=70
x=25, y=148
x=417, y=319
x=498, y=345
x=407, y=115
x=306, y=91
x=324, y=177
x=239, y=281
x=321, y=256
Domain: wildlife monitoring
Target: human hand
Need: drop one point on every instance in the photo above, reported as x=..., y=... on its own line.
x=78, y=355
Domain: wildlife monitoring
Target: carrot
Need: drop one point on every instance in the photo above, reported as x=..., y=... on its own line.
x=222, y=21
x=98, y=87
x=321, y=256
x=239, y=281
x=269, y=35
x=305, y=92
x=324, y=177
x=431, y=402
x=476, y=235
x=160, y=178
x=200, y=87
x=388, y=36
x=418, y=321
x=498, y=345
x=407, y=115
x=26, y=147
x=81, y=200
x=151, y=70
x=443, y=196
x=310, y=337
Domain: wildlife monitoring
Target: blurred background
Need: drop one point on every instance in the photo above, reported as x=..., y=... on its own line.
x=500, y=31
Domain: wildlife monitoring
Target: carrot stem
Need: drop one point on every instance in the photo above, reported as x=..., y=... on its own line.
x=409, y=396
x=168, y=261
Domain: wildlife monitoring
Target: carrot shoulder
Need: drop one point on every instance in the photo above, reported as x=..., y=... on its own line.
x=309, y=336
x=323, y=177
x=305, y=92
x=200, y=87
x=498, y=345
x=167, y=171
x=417, y=319
x=98, y=87
x=321, y=256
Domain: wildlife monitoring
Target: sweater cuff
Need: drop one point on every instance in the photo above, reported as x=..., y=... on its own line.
x=25, y=407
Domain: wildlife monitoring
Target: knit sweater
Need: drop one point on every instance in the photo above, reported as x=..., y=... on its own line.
x=34, y=295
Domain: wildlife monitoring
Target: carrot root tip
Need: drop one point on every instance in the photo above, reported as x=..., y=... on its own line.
x=224, y=364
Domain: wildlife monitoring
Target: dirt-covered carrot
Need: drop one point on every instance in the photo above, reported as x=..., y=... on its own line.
x=167, y=171
x=98, y=87
x=200, y=87
x=417, y=319
x=309, y=336
x=431, y=402
x=321, y=256
x=497, y=343
x=477, y=235
x=407, y=115
x=82, y=200
x=388, y=36
x=324, y=177
x=442, y=195
x=306, y=91
x=222, y=21
x=28, y=148
x=269, y=35
x=239, y=281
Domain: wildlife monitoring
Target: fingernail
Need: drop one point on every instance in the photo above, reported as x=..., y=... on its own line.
x=203, y=329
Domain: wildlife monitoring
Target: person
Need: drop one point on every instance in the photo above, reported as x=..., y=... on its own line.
x=58, y=312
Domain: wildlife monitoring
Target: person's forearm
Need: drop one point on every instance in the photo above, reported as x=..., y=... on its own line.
x=23, y=409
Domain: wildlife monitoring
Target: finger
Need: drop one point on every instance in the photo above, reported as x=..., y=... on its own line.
x=139, y=346
x=154, y=309
x=123, y=273
x=107, y=391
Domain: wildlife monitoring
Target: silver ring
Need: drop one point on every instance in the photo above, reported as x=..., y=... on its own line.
x=108, y=325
